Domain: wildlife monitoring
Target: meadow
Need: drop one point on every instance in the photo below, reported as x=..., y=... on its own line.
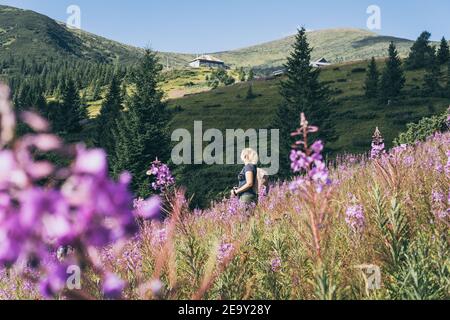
x=354, y=117
x=363, y=227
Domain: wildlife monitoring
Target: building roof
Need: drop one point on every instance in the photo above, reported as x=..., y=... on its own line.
x=322, y=60
x=208, y=58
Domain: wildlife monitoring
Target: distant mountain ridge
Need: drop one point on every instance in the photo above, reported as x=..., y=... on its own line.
x=31, y=35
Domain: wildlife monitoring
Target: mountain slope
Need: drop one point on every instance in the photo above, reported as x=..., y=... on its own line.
x=30, y=35
x=336, y=45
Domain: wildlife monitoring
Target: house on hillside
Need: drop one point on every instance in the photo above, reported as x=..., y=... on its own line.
x=207, y=61
x=278, y=73
x=322, y=62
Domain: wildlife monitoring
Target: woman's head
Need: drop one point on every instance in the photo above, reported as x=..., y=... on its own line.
x=249, y=156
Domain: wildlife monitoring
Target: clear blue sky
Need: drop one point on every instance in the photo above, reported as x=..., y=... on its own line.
x=200, y=26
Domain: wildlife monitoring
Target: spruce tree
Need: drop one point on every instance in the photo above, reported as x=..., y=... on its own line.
x=142, y=132
x=393, y=79
x=71, y=111
x=301, y=92
x=109, y=113
x=432, y=76
x=251, y=75
x=444, y=52
x=372, y=80
x=420, y=51
x=242, y=74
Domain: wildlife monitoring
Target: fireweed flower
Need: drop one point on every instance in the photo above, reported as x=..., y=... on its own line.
x=159, y=236
x=162, y=174
x=84, y=209
x=113, y=287
x=308, y=160
x=233, y=206
x=275, y=264
x=440, y=205
x=148, y=209
x=262, y=194
x=378, y=146
x=313, y=165
x=355, y=218
x=224, y=252
x=447, y=166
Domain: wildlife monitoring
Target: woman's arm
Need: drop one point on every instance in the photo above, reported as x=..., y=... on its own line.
x=249, y=183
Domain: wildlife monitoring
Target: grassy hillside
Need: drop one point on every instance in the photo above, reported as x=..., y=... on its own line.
x=355, y=117
x=336, y=45
x=30, y=35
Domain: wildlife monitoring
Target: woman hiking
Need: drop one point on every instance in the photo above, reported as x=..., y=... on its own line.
x=247, y=178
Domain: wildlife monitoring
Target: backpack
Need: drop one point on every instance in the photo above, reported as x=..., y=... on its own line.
x=262, y=180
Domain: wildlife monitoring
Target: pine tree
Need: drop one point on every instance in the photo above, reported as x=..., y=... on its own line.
x=301, y=92
x=109, y=113
x=372, y=80
x=142, y=133
x=432, y=76
x=251, y=75
x=443, y=52
x=71, y=111
x=242, y=74
x=393, y=79
x=420, y=51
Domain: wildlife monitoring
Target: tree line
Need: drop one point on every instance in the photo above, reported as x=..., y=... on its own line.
x=388, y=84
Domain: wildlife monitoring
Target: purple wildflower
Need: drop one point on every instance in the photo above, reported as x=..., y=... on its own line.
x=113, y=287
x=224, y=252
x=440, y=205
x=148, y=209
x=84, y=209
x=447, y=166
x=354, y=216
x=162, y=174
x=378, y=146
x=275, y=264
x=159, y=237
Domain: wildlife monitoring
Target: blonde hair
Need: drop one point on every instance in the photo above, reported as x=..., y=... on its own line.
x=249, y=156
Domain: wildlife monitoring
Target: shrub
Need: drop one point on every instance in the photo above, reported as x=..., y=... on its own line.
x=358, y=70
x=423, y=129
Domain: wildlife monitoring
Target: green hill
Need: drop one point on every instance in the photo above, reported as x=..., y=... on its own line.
x=30, y=35
x=336, y=45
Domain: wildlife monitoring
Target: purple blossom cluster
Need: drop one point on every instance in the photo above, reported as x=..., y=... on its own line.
x=308, y=159
x=378, y=146
x=275, y=264
x=440, y=205
x=355, y=218
x=224, y=252
x=159, y=237
x=44, y=207
x=148, y=209
x=447, y=166
x=162, y=174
